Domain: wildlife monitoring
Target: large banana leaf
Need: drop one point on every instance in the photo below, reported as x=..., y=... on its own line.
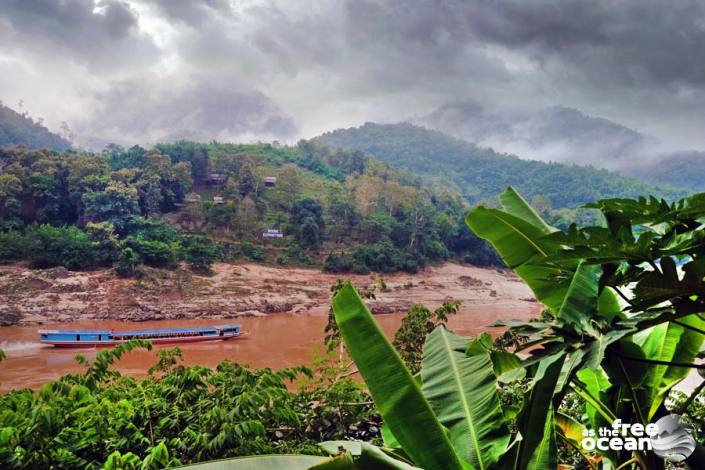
x=395, y=392
x=507, y=366
x=537, y=448
x=360, y=456
x=462, y=390
x=673, y=343
x=262, y=462
x=580, y=302
x=608, y=306
x=572, y=432
x=571, y=429
x=520, y=245
x=516, y=240
x=595, y=390
x=519, y=235
x=665, y=284
x=514, y=204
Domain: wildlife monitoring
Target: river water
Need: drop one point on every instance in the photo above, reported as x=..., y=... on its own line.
x=276, y=341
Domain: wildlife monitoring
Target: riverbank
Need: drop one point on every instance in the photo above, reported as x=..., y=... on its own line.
x=31, y=297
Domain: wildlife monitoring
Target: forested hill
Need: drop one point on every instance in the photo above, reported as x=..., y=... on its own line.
x=18, y=129
x=480, y=173
x=199, y=203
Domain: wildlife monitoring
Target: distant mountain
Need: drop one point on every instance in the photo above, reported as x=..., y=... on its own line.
x=481, y=173
x=557, y=133
x=684, y=169
x=568, y=135
x=18, y=129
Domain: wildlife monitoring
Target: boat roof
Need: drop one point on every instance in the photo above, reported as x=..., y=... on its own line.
x=138, y=332
x=76, y=332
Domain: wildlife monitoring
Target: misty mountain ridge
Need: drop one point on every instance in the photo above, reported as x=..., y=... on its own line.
x=567, y=135
x=16, y=129
x=682, y=169
x=556, y=133
x=482, y=173
x=553, y=134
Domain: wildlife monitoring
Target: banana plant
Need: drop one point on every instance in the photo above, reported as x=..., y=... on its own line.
x=644, y=342
x=626, y=302
x=453, y=418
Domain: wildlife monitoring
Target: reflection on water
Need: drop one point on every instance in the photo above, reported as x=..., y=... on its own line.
x=274, y=341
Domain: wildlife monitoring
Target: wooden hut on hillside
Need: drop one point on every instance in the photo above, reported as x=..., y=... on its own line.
x=215, y=179
x=192, y=198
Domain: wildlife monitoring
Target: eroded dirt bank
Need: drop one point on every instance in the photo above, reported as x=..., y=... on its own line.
x=57, y=295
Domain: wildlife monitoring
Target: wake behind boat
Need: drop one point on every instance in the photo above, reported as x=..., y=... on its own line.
x=98, y=338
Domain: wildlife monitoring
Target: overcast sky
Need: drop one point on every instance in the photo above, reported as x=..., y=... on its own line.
x=144, y=70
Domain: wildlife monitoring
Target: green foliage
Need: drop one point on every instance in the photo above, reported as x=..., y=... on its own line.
x=581, y=344
x=127, y=263
x=415, y=326
x=384, y=257
x=116, y=204
x=189, y=152
x=458, y=381
x=13, y=247
x=323, y=200
x=396, y=393
x=49, y=246
x=621, y=359
x=176, y=415
x=200, y=253
x=344, y=263
x=251, y=252
x=119, y=157
x=154, y=253
x=692, y=407
x=307, y=218
x=105, y=242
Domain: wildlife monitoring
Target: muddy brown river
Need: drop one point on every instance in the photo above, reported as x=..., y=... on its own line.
x=275, y=341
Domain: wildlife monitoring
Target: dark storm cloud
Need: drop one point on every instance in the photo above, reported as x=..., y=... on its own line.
x=191, y=12
x=526, y=63
x=95, y=34
x=637, y=41
x=198, y=108
x=521, y=62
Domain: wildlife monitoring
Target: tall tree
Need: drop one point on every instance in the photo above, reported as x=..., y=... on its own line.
x=116, y=204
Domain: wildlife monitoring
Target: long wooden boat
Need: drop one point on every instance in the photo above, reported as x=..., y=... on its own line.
x=100, y=338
